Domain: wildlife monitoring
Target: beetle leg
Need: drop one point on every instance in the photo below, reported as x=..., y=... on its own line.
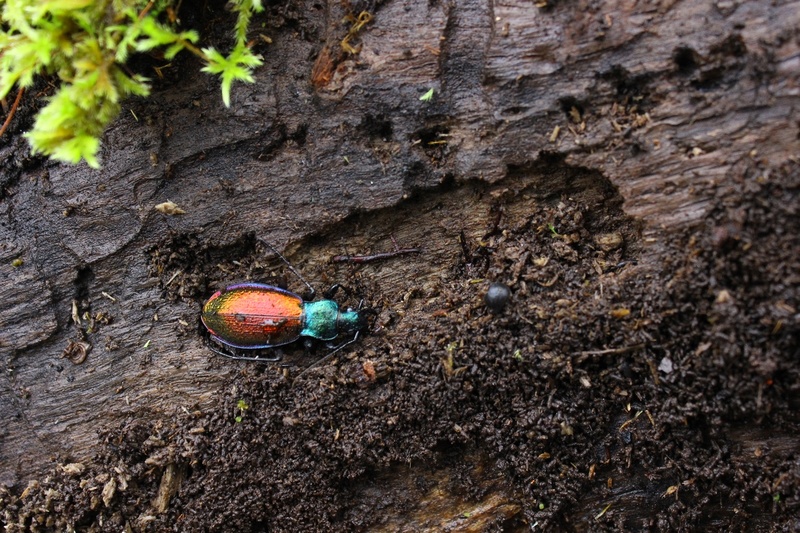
x=330, y=293
x=231, y=355
x=251, y=358
x=328, y=356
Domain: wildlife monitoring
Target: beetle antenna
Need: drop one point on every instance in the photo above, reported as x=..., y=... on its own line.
x=288, y=264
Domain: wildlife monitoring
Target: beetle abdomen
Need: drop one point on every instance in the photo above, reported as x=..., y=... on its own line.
x=254, y=315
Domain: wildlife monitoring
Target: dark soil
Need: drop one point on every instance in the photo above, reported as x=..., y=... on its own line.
x=678, y=377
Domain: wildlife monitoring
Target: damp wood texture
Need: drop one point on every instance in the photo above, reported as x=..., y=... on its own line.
x=628, y=170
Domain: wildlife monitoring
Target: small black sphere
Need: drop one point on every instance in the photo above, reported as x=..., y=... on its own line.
x=497, y=296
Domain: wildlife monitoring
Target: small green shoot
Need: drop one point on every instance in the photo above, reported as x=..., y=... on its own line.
x=552, y=229
x=448, y=362
x=18, y=262
x=518, y=355
x=776, y=497
x=428, y=96
x=601, y=513
x=147, y=344
x=238, y=66
x=242, y=406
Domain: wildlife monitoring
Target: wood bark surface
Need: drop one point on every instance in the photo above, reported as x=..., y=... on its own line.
x=645, y=110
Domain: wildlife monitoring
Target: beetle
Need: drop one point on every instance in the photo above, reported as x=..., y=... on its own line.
x=256, y=316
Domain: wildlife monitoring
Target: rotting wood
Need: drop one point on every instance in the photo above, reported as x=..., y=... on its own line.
x=676, y=103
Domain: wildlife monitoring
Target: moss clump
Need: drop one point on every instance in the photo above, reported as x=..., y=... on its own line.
x=85, y=44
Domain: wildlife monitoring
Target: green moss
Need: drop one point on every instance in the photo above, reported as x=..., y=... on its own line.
x=85, y=44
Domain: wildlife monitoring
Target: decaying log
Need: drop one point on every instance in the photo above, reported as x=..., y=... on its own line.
x=639, y=119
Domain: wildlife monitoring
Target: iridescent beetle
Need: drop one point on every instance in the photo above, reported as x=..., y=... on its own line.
x=255, y=316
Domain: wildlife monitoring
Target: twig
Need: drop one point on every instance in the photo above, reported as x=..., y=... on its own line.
x=361, y=259
x=582, y=356
x=13, y=111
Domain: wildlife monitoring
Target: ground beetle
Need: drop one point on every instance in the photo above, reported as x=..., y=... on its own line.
x=255, y=316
